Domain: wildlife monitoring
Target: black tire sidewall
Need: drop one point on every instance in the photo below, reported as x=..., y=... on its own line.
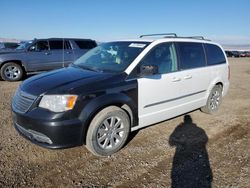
x=11, y=64
x=91, y=140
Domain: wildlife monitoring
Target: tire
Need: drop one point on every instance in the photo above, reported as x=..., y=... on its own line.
x=11, y=72
x=108, y=131
x=213, y=101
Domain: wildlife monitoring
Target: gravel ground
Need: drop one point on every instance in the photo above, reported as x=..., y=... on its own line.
x=199, y=150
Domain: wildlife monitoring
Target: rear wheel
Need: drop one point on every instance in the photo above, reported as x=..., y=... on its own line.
x=213, y=101
x=108, y=131
x=11, y=72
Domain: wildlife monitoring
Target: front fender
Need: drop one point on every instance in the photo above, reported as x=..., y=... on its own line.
x=13, y=57
x=98, y=103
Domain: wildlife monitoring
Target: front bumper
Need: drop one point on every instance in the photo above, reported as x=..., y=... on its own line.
x=49, y=134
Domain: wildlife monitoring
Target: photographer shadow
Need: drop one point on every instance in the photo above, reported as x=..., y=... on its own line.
x=190, y=167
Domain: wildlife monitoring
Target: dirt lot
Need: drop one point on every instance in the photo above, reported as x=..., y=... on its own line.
x=211, y=150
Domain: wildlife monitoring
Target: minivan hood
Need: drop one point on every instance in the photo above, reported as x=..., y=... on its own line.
x=60, y=78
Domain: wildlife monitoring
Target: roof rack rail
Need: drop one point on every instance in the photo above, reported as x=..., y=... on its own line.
x=196, y=37
x=173, y=35
x=166, y=35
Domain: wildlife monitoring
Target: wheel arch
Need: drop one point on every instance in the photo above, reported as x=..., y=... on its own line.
x=211, y=86
x=99, y=103
x=14, y=61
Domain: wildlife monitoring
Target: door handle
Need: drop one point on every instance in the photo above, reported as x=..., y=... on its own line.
x=47, y=53
x=187, y=77
x=68, y=52
x=175, y=79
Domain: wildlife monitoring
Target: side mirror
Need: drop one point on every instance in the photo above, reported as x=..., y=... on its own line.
x=32, y=48
x=147, y=70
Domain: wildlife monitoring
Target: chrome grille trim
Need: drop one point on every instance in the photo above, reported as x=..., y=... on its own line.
x=22, y=101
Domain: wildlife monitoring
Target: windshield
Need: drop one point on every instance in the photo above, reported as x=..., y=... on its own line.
x=1, y=45
x=23, y=45
x=111, y=56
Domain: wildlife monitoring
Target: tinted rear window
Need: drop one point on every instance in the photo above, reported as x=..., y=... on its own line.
x=214, y=55
x=191, y=55
x=85, y=44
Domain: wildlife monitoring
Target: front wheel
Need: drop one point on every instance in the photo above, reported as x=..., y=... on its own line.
x=213, y=101
x=108, y=131
x=11, y=72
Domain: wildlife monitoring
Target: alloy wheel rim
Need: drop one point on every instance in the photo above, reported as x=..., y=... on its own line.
x=12, y=72
x=215, y=100
x=111, y=133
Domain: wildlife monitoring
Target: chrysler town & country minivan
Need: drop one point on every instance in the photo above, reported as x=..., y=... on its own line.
x=119, y=87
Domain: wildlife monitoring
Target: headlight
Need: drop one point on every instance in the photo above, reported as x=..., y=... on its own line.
x=58, y=103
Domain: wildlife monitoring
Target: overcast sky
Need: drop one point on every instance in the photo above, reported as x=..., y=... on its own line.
x=225, y=21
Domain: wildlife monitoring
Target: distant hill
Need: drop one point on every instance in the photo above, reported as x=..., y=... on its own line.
x=244, y=47
x=9, y=40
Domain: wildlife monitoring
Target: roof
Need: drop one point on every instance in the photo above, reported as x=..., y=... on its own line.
x=165, y=37
x=61, y=39
x=160, y=40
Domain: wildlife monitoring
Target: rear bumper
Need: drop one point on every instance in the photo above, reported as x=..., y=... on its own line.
x=52, y=134
x=225, y=88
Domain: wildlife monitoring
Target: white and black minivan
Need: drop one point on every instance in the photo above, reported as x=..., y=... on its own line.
x=119, y=87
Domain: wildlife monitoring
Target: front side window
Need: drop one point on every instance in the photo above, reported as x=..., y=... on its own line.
x=40, y=46
x=214, y=55
x=163, y=56
x=111, y=56
x=191, y=55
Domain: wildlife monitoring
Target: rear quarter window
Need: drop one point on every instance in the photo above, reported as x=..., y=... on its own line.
x=191, y=55
x=214, y=55
x=85, y=44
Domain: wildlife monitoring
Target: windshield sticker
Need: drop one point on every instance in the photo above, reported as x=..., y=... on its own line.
x=137, y=45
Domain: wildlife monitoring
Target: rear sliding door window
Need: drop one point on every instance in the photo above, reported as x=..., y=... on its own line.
x=215, y=55
x=191, y=55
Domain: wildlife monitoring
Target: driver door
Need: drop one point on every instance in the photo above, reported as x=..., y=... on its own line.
x=158, y=94
x=39, y=57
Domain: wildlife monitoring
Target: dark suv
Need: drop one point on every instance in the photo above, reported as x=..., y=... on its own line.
x=42, y=55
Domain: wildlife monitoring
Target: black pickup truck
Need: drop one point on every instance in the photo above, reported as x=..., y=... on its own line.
x=41, y=55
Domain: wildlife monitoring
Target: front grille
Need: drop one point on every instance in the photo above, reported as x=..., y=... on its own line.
x=22, y=101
